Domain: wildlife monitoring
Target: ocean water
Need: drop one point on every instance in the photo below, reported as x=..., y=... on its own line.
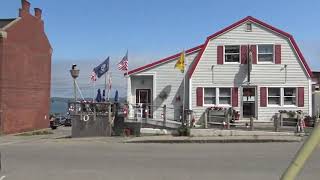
x=58, y=107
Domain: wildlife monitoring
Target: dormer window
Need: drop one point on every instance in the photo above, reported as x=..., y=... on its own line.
x=248, y=27
x=232, y=54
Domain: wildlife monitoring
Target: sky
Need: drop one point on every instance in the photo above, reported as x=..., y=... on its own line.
x=86, y=32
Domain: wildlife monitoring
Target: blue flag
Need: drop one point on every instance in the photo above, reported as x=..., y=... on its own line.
x=102, y=68
x=99, y=98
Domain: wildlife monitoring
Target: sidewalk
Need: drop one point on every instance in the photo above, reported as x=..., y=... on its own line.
x=213, y=139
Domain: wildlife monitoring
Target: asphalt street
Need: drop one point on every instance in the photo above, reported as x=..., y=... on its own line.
x=36, y=158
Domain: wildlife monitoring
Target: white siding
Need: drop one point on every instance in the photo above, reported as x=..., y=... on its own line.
x=263, y=75
x=169, y=79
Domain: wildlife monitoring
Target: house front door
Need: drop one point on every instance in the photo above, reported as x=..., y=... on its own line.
x=143, y=99
x=248, y=102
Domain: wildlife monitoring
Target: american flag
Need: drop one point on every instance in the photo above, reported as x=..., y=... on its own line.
x=123, y=64
x=93, y=76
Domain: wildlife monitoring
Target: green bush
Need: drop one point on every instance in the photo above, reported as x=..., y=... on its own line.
x=184, y=131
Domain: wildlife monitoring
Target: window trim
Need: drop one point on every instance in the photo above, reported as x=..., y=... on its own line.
x=217, y=97
x=273, y=53
x=273, y=105
x=230, y=89
x=224, y=54
x=204, y=96
x=247, y=24
x=282, y=97
x=296, y=96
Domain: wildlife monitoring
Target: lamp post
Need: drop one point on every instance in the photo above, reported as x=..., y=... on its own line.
x=74, y=74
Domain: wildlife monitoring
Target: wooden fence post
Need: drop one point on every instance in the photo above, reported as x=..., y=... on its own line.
x=251, y=123
x=206, y=119
x=228, y=118
x=109, y=120
x=276, y=124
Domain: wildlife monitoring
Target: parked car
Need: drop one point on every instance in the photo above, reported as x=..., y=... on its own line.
x=53, y=122
x=67, y=121
x=64, y=120
x=61, y=120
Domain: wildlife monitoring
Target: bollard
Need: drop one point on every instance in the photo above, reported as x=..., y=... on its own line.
x=251, y=123
x=302, y=155
x=164, y=115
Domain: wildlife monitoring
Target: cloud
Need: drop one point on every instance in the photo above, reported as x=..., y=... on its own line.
x=62, y=82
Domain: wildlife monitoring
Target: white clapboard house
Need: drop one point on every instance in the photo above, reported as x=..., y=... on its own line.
x=218, y=72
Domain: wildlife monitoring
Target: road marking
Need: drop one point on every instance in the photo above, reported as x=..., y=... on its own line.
x=2, y=177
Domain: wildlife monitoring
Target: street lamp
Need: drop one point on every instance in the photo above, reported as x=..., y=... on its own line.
x=74, y=74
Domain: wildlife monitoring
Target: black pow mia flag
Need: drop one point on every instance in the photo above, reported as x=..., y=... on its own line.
x=102, y=68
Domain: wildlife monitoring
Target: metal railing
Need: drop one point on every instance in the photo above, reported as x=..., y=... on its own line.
x=145, y=112
x=90, y=108
x=150, y=111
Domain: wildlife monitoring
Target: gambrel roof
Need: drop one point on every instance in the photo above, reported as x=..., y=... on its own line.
x=263, y=24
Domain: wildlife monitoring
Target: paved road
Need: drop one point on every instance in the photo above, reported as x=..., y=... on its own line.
x=82, y=159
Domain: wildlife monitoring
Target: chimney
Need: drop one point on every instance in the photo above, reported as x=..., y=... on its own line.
x=25, y=6
x=37, y=12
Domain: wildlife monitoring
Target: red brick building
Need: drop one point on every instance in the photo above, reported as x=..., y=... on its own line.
x=25, y=72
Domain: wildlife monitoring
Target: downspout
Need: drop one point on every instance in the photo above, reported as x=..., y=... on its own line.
x=310, y=97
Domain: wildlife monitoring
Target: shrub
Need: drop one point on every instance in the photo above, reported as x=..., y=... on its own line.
x=184, y=130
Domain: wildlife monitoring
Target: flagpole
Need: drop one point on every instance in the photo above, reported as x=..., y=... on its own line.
x=105, y=83
x=184, y=87
x=94, y=90
x=127, y=73
x=109, y=88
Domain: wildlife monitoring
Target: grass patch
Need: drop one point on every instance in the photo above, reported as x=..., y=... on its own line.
x=35, y=133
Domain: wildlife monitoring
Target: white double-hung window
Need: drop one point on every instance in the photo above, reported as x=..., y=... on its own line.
x=282, y=96
x=274, y=96
x=225, y=96
x=289, y=96
x=232, y=54
x=217, y=96
x=265, y=53
x=209, y=95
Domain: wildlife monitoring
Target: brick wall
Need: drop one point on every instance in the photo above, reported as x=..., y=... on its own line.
x=25, y=76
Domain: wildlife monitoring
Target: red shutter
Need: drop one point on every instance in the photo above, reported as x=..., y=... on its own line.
x=244, y=54
x=254, y=54
x=235, y=97
x=220, y=55
x=263, y=97
x=199, y=96
x=301, y=97
x=277, y=54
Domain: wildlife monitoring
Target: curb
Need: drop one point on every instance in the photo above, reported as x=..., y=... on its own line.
x=253, y=139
